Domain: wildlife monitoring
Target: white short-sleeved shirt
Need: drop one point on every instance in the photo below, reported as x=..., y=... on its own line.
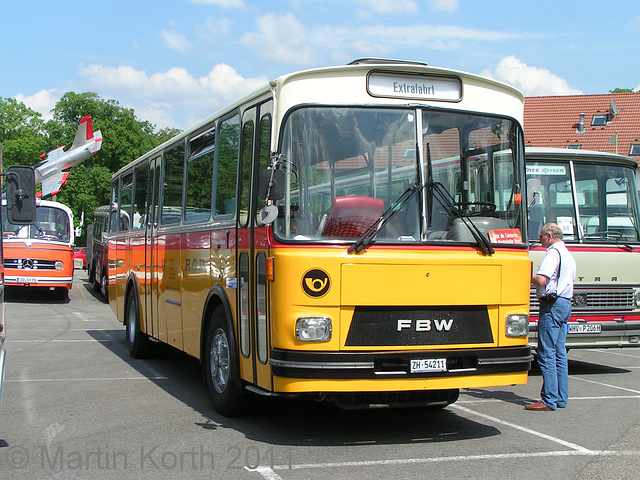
x=549, y=268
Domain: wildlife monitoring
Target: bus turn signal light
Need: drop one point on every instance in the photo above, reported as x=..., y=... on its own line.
x=270, y=271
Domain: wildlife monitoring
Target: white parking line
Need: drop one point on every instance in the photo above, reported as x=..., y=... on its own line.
x=571, y=399
x=523, y=429
x=608, y=352
x=266, y=472
x=96, y=379
x=60, y=341
x=269, y=472
x=606, y=385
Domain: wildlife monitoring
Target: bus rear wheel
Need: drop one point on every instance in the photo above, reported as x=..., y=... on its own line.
x=139, y=344
x=104, y=287
x=222, y=369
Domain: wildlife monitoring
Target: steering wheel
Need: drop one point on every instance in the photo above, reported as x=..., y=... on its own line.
x=486, y=207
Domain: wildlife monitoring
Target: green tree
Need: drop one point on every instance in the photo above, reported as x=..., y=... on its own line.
x=621, y=90
x=124, y=137
x=25, y=136
x=21, y=133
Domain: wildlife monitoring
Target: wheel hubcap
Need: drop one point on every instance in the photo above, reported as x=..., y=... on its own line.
x=131, y=323
x=219, y=361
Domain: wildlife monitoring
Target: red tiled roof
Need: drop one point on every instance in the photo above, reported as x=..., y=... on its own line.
x=554, y=122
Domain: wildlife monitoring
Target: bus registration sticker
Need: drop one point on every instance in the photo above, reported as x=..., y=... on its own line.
x=425, y=365
x=509, y=235
x=584, y=328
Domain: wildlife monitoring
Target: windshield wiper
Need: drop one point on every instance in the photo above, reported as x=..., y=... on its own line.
x=440, y=193
x=369, y=236
x=609, y=236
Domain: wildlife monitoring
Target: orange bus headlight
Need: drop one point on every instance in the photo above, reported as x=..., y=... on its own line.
x=517, y=325
x=313, y=329
x=59, y=265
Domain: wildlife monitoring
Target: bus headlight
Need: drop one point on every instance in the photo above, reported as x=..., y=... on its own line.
x=517, y=325
x=636, y=299
x=59, y=265
x=313, y=329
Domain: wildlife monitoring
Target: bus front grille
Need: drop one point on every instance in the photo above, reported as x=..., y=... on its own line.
x=29, y=264
x=586, y=299
x=422, y=325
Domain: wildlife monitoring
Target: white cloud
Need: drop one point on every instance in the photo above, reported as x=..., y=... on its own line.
x=395, y=7
x=633, y=24
x=221, y=3
x=154, y=97
x=42, y=101
x=339, y=42
x=175, y=41
x=214, y=29
x=532, y=81
x=444, y=5
x=281, y=38
x=285, y=40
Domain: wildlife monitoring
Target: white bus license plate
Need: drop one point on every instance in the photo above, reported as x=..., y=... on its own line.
x=585, y=328
x=425, y=365
x=27, y=280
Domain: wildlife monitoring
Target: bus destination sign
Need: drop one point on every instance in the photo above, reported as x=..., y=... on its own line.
x=419, y=87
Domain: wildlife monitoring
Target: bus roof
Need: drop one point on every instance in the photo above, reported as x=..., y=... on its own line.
x=361, y=68
x=543, y=153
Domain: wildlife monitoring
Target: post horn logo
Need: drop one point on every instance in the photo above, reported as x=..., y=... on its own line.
x=315, y=283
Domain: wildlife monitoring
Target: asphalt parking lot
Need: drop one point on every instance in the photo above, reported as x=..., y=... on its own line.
x=77, y=406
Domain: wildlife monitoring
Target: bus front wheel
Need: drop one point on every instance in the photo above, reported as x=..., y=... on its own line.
x=222, y=369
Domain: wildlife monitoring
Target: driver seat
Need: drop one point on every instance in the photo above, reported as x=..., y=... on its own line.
x=351, y=216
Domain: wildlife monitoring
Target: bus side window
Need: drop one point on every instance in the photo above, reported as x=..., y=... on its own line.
x=227, y=167
x=172, y=191
x=141, y=175
x=200, y=177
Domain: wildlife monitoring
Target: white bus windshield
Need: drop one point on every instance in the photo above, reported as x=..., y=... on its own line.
x=602, y=207
x=346, y=167
x=52, y=224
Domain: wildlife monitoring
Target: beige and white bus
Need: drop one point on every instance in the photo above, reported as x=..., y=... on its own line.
x=592, y=196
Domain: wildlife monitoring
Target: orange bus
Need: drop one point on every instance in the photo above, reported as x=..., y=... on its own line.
x=354, y=233
x=40, y=255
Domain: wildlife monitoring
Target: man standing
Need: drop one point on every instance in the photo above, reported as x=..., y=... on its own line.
x=554, y=288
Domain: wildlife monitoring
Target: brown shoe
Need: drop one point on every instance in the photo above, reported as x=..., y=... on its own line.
x=538, y=407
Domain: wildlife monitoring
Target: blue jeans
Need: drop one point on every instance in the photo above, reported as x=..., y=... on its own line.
x=552, y=354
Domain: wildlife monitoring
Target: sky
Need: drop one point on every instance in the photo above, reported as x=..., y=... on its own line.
x=177, y=62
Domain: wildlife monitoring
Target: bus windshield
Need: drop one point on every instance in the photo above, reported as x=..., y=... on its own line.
x=346, y=167
x=603, y=207
x=52, y=224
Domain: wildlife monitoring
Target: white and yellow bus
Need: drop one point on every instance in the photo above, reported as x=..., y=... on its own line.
x=592, y=197
x=301, y=242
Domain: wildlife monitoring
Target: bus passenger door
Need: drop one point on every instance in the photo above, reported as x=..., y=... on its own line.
x=151, y=255
x=253, y=313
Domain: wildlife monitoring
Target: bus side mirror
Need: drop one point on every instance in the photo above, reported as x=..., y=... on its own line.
x=271, y=184
x=21, y=195
x=533, y=191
